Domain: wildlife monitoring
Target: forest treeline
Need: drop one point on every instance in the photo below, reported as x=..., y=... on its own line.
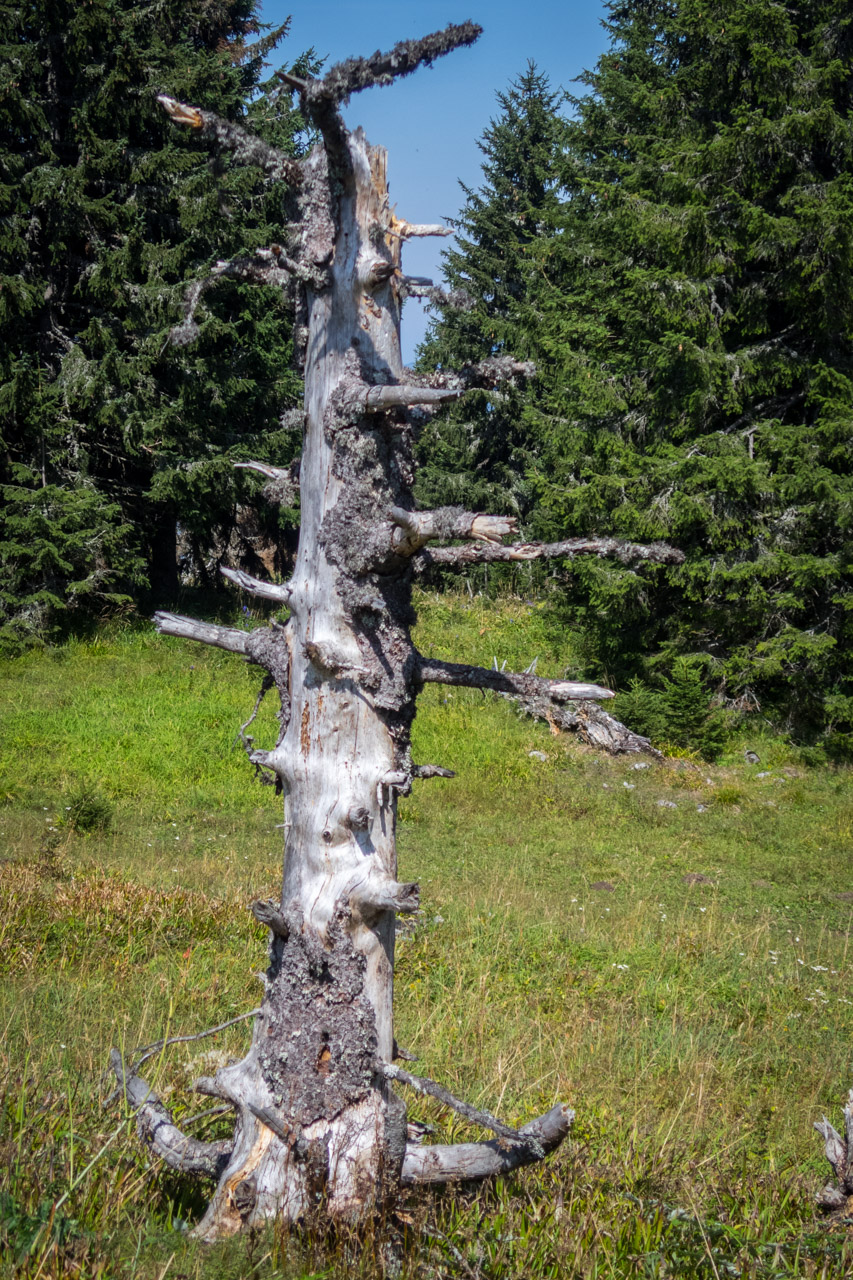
x=671, y=246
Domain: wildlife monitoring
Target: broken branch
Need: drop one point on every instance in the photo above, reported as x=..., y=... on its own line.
x=839, y=1153
x=483, y=1118
x=374, y=399
x=272, y=473
x=431, y=771
x=267, y=913
x=593, y=725
x=385, y=894
x=356, y=74
x=433, y=671
x=159, y=1131
x=476, y=1160
x=409, y=230
x=415, y=528
x=245, y=147
x=452, y=300
x=267, y=590
x=627, y=552
x=149, y=1050
x=173, y=624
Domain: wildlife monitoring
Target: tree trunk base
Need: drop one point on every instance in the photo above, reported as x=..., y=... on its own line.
x=274, y=1170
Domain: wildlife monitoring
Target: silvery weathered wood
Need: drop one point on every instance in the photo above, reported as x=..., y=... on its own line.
x=627, y=552
x=839, y=1153
x=467, y=1161
x=157, y=1128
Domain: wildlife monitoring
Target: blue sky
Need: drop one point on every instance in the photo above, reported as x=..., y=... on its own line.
x=430, y=121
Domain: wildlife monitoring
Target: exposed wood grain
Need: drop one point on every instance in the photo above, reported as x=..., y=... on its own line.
x=159, y=1131
x=469, y=1161
x=627, y=552
x=433, y=671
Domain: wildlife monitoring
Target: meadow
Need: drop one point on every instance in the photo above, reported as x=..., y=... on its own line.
x=664, y=945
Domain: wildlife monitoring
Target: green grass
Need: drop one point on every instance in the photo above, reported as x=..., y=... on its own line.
x=697, y=1028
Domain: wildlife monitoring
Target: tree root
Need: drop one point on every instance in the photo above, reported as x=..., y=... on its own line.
x=473, y=1161
x=464, y=1161
x=158, y=1130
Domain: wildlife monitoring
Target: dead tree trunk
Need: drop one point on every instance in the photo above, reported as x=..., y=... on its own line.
x=316, y=1117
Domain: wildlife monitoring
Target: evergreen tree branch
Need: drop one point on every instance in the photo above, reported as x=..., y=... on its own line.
x=494, y=371
x=266, y=266
x=434, y=671
x=245, y=147
x=627, y=552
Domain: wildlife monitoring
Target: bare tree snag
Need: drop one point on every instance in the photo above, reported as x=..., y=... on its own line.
x=316, y=1117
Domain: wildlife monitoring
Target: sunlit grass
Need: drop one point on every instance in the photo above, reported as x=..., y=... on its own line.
x=668, y=949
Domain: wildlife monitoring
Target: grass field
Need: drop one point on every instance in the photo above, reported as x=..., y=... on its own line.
x=666, y=948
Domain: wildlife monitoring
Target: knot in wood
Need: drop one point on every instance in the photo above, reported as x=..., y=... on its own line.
x=245, y=1196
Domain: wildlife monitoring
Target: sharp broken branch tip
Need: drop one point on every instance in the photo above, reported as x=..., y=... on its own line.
x=180, y=112
x=280, y=592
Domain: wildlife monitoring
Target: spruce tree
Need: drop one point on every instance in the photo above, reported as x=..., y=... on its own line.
x=481, y=453
x=110, y=432
x=695, y=357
